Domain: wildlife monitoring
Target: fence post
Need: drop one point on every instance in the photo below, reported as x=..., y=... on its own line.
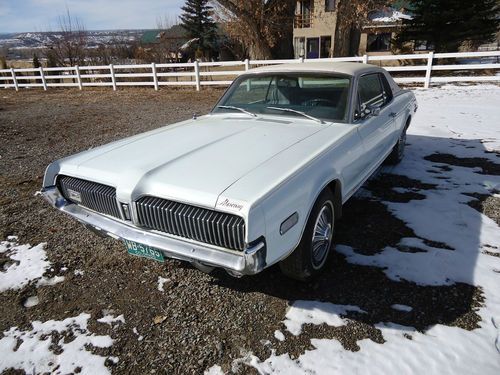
x=42, y=77
x=197, y=74
x=247, y=65
x=113, y=78
x=14, y=78
x=155, y=77
x=78, y=77
x=365, y=59
x=428, y=71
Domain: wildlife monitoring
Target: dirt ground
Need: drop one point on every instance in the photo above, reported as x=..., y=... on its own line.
x=207, y=319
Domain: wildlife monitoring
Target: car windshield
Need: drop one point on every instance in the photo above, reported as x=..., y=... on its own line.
x=307, y=95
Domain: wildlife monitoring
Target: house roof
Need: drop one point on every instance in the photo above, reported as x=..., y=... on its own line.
x=349, y=68
x=154, y=36
x=388, y=15
x=150, y=36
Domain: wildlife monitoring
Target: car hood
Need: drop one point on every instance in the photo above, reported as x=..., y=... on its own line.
x=193, y=161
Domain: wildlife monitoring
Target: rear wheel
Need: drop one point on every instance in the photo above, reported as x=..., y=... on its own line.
x=310, y=257
x=398, y=151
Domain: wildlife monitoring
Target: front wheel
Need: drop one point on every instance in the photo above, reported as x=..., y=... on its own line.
x=310, y=257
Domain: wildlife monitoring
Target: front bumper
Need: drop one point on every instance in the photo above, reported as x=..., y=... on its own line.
x=248, y=262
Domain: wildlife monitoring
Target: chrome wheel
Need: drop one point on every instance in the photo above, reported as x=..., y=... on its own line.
x=322, y=235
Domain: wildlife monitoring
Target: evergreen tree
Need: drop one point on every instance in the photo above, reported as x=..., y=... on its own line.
x=36, y=61
x=198, y=23
x=447, y=24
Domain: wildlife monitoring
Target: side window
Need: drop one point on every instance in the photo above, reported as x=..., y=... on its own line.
x=387, y=89
x=370, y=91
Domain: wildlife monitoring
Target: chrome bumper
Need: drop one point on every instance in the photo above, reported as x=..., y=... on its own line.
x=250, y=261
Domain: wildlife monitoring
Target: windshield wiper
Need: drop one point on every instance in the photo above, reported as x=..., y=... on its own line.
x=237, y=109
x=298, y=112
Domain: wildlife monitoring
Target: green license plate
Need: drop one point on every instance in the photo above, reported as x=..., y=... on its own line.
x=144, y=251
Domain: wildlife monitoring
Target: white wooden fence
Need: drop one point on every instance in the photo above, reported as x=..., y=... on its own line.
x=222, y=73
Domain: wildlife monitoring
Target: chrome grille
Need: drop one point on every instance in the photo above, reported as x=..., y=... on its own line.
x=199, y=224
x=97, y=197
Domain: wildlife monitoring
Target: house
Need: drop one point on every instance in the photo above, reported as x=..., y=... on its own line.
x=315, y=23
x=166, y=43
x=314, y=28
x=381, y=28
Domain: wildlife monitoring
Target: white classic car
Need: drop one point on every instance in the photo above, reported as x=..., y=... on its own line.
x=261, y=179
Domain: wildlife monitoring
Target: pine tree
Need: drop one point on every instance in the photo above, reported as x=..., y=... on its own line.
x=198, y=23
x=447, y=24
x=36, y=61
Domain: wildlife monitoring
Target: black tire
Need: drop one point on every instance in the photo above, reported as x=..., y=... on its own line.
x=398, y=151
x=305, y=262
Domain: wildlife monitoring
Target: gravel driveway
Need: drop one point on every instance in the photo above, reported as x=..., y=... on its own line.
x=198, y=320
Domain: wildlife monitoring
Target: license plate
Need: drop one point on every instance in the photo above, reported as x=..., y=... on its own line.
x=144, y=251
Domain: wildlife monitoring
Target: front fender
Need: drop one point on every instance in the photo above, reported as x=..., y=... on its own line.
x=297, y=195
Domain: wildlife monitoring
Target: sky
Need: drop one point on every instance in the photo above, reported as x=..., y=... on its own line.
x=43, y=15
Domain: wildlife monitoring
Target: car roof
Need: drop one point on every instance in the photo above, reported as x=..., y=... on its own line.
x=349, y=68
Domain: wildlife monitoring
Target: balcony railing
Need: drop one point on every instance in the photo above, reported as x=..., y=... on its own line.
x=302, y=21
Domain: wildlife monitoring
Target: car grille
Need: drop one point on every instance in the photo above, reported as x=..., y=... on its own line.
x=97, y=197
x=199, y=224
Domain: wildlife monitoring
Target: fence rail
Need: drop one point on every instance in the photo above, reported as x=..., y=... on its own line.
x=198, y=74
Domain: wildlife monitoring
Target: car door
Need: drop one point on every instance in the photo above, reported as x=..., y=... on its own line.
x=374, y=119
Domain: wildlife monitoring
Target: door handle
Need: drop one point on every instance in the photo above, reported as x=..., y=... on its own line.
x=393, y=114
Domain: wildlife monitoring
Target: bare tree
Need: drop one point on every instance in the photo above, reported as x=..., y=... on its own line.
x=69, y=45
x=351, y=16
x=265, y=26
x=166, y=21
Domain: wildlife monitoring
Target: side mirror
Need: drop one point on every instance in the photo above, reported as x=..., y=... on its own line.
x=373, y=110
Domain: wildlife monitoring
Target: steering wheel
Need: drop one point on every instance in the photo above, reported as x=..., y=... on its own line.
x=318, y=102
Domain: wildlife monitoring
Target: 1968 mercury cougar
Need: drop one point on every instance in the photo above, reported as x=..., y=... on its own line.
x=261, y=179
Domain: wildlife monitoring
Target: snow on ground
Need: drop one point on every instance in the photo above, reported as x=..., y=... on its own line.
x=25, y=264
x=459, y=121
x=54, y=346
x=110, y=319
x=34, y=350
x=161, y=283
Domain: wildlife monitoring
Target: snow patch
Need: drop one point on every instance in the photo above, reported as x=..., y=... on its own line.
x=110, y=319
x=24, y=265
x=314, y=312
x=404, y=308
x=46, y=281
x=139, y=337
x=161, y=283
x=31, y=301
x=33, y=350
x=214, y=370
x=279, y=335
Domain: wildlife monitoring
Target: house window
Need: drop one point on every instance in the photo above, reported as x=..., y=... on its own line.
x=378, y=42
x=423, y=45
x=312, y=48
x=330, y=5
x=303, y=14
x=299, y=45
x=326, y=46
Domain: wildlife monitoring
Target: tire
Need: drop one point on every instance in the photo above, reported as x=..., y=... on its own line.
x=310, y=257
x=398, y=151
